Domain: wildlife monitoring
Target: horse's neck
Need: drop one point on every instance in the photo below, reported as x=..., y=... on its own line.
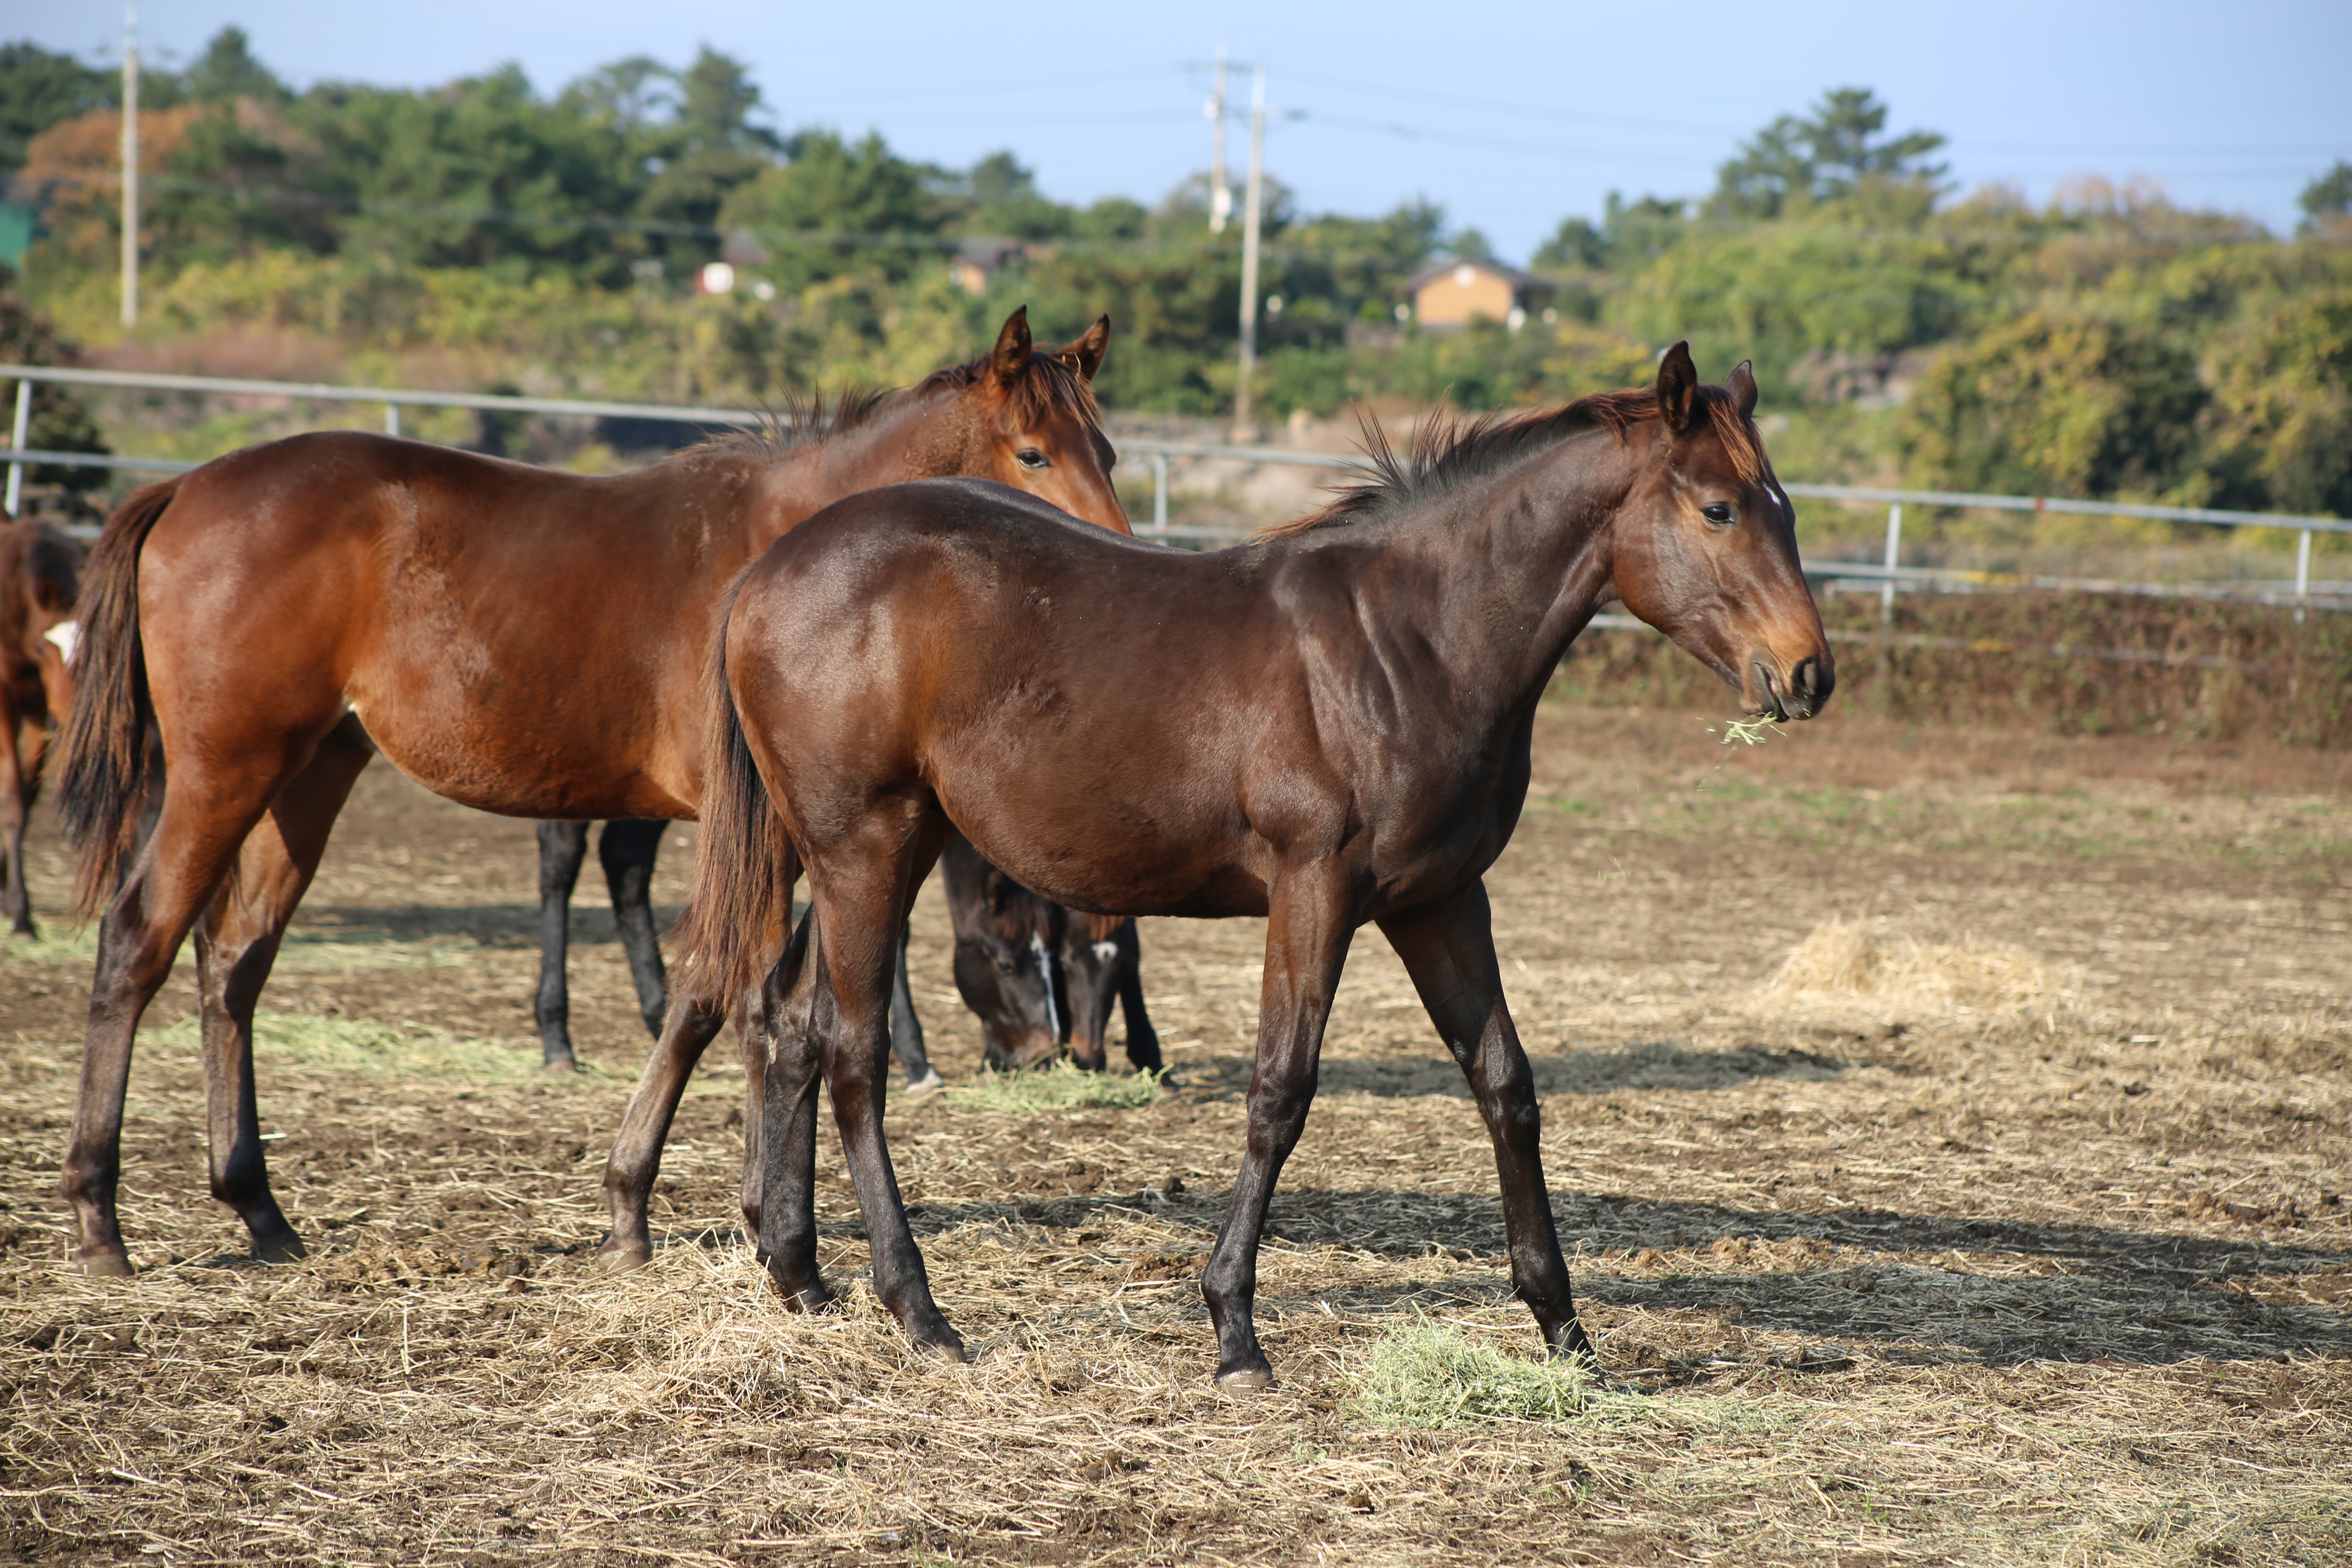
x=1520, y=563
x=875, y=451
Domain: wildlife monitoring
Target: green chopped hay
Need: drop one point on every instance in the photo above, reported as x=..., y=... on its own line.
x=58, y=943
x=1057, y=1087
x=1428, y=1374
x=370, y=1044
x=1748, y=732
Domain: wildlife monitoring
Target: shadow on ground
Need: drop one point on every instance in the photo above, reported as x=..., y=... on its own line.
x=1653, y=1065
x=2126, y=1296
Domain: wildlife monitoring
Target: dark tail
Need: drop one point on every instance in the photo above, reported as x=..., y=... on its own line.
x=744, y=865
x=105, y=774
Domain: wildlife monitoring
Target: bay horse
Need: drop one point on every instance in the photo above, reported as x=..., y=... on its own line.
x=515, y=640
x=1040, y=978
x=1327, y=726
x=40, y=580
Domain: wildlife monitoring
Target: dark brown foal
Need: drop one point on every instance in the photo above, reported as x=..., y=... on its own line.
x=517, y=639
x=1327, y=727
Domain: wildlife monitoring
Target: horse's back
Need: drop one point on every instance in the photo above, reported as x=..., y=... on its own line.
x=467, y=607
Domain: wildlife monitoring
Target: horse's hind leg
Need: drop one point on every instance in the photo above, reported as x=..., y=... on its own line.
x=780, y=1188
x=1449, y=949
x=237, y=943
x=693, y=1023
x=562, y=847
x=626, y=850
x=201, y=822
x=861, y=898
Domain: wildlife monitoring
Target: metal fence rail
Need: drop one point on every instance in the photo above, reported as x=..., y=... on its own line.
x=1888, y=574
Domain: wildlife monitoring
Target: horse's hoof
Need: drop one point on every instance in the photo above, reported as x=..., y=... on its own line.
x=564, y=1063
x=282, y=1248
x=1246, y=1380
x=106, y=1265
x=930, y=1083
x=809, y=1296
x=950, y=1350
x=612, y=1259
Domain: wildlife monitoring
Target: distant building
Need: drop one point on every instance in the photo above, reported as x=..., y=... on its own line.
x=978, y=260
x=1455, y=293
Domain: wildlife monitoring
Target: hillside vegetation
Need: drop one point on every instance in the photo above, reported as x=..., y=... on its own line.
x=485, y=234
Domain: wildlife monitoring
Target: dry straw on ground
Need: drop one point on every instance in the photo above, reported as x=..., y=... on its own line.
x=1932, y=1271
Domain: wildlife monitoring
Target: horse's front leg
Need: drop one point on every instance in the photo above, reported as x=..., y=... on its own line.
x=906, y=1028
x=1448, y=948
x=1308, y=925
x=1142, y=1039
x=562, y=847
x=16, y=803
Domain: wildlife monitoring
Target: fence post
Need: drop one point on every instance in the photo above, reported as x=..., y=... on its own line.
x=391, y=418
x=1159, y=494
x=2302, y=572
x=21, y=432
x=1894, y=552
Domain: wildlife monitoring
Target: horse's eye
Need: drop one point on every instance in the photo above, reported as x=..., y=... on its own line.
x=1029, y=457
x=1719, y=514
x=1005, y=965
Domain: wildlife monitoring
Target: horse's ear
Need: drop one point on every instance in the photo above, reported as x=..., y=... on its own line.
x=1084, y=353
x=1010, y=355
x=1742, y=385
x=1678, y=388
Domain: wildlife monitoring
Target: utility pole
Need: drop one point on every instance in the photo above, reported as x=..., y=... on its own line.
x=1252, y=211
x=1221, y=196
x=131, y=162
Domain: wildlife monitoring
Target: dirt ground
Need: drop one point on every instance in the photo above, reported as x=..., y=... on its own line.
x=2007, y=1225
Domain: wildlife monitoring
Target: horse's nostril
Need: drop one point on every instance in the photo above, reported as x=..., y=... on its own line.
x=1810, y=681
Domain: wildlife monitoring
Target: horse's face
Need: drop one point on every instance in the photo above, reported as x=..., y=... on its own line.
x=1705, y=548
x=1007, y=966
x=45, y=590
x=1047, y=445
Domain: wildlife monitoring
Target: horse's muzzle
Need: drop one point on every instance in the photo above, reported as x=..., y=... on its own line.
x=1808, y=687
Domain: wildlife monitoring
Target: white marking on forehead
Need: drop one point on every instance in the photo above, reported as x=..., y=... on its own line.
x=65, y=634
x=1105, y=950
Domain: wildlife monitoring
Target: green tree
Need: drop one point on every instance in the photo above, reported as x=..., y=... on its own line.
x=60, y=421
x=2060, y=402
x=1798, y=161
x=227, y=71
x=2329, y=198
x=709, y=150
x=839, y=207
x=2283, y=402
x=475, y=174
x=37, y=89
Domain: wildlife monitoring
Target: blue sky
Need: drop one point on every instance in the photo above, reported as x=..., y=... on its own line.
x=1511, y=115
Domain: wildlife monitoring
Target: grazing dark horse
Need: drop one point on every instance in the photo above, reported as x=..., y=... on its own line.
x=38, y=582
x=1327, y=726
x=1040, y=976
x=515, y=640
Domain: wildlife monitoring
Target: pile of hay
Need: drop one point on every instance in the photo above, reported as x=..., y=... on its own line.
x=1843, y=961
x=1428, y=1374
